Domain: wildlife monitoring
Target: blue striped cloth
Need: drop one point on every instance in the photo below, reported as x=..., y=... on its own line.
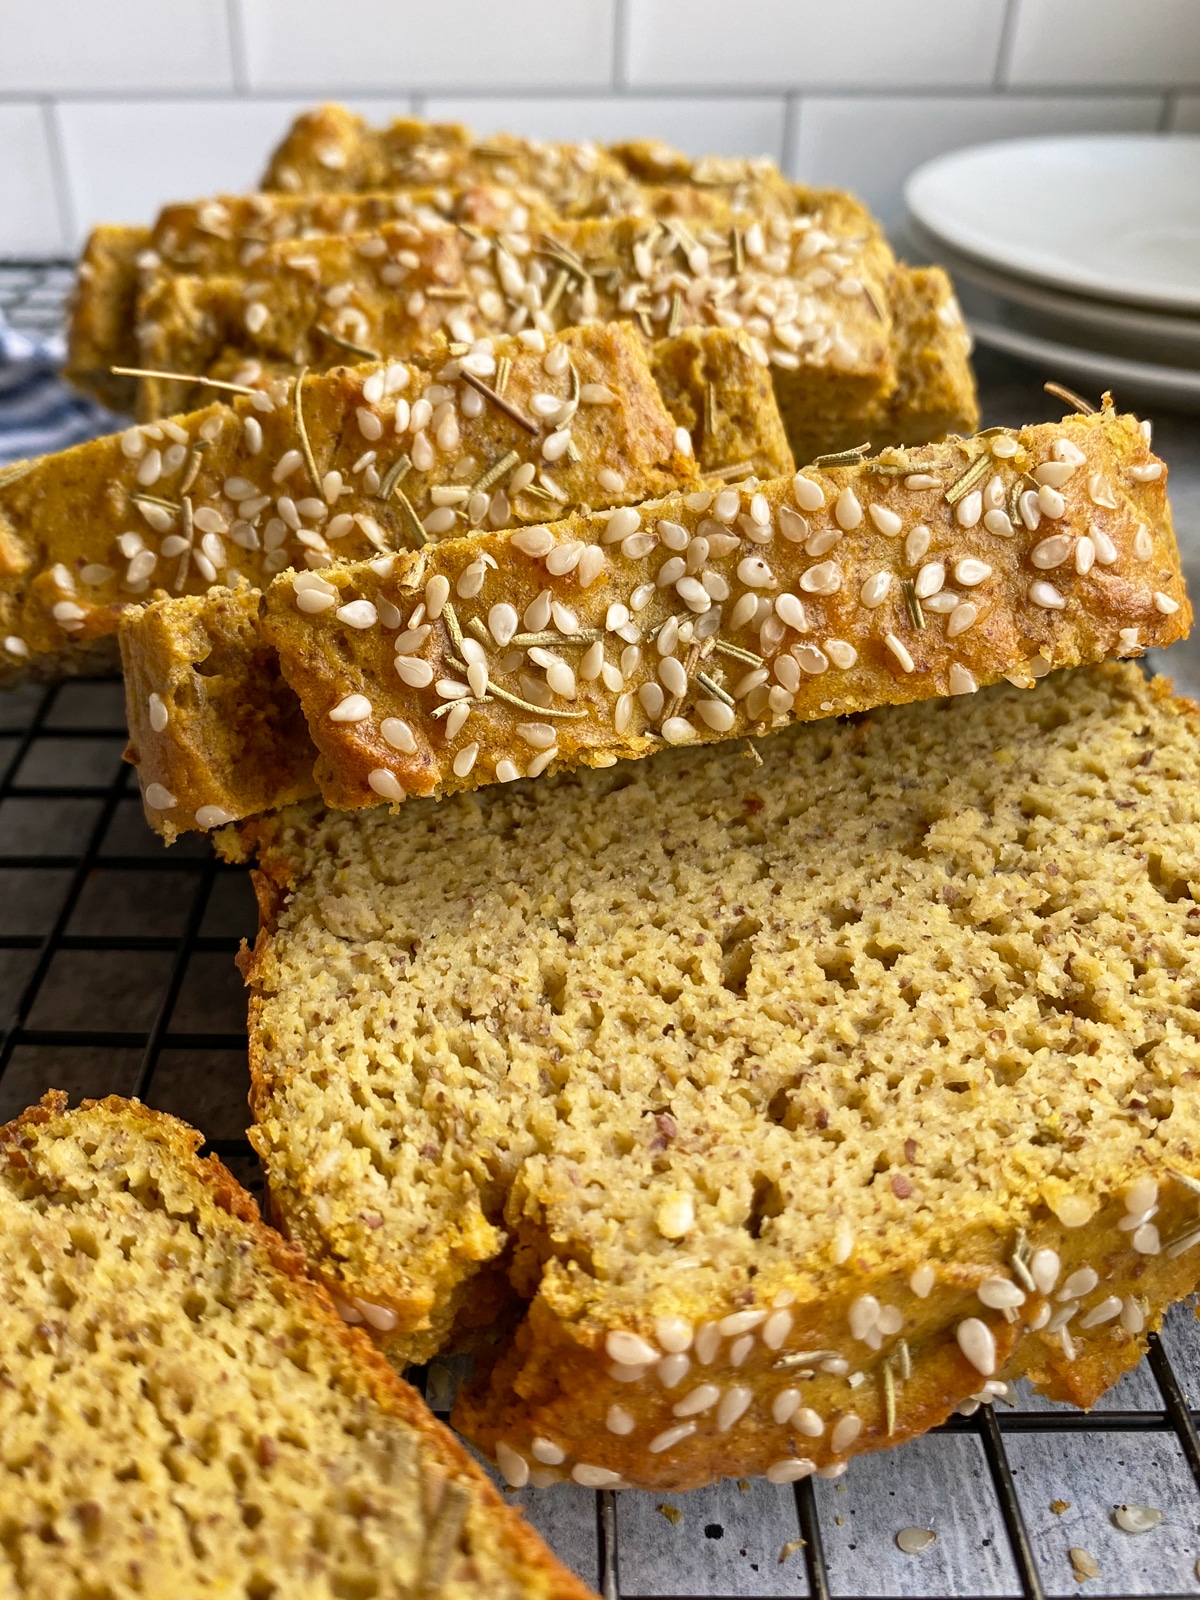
x=38, y=411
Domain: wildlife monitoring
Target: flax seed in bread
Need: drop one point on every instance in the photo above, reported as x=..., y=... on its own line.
x=182, y=1410
x=800, y=1102
x=249, y=490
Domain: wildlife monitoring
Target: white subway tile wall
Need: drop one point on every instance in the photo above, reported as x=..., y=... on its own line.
x=109, y=110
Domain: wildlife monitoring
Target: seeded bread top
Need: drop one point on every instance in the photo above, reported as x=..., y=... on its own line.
x=811, y=290
x=371, y=459
x=200, y=1418
x=687, y=1034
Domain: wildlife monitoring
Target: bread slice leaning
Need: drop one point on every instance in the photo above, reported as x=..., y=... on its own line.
x=791, y=1105
x=183, y=1413
x=711, y=614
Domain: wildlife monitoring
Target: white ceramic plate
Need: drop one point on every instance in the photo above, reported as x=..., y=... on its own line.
x=1137, y=333
x=1112, y=215
x=1091, y=371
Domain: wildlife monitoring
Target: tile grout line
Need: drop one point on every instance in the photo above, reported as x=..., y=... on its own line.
x=620, y=60
x=237, y=48
x=64, y=204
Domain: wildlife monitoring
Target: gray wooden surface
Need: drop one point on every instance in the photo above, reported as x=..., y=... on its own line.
x=146, y=954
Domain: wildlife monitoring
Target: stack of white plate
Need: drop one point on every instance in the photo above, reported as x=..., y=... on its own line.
x=1079, y=254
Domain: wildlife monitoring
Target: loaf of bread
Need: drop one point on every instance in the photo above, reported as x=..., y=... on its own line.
x=376, y=457
x=813, y=291
x=182, y=1410
x=710, y=614
x=227, y=233
x=331, y=149
x=797, y=1099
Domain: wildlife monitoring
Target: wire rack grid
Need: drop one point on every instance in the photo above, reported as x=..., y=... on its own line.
x=117, y=976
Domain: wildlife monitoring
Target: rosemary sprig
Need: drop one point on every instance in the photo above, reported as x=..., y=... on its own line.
x=676, y=314
x=183, y=377
x=495, y=472
x=915, y=615
x=889, y=1396
x=346, y=344
x=710, y=686
x=503, y=369
x=843, y=458
x=801, y=1358
x=528, y=705
x=450, y=617
x=397, y=471
x=142, y=499
x=409, y=512
x=500, y=402
x=723, y=647
x=710, y=411
x=974, y=474
x=730, y=470
x=192, y=470
x=1069, y=395
x=298, y=418
x=561, y=278
x=531, y=641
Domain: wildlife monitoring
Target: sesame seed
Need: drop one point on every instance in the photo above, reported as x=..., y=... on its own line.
x=678, y=730
x=513, y=1465
x=1054, y=473
x=628, y=1348
x=702, y=1398
x=824, y=578
x=507, y=771
x=545, y=1450
x=354, y=708
x=999, y=1294
x=1106, y=550
x=672, y=1370
x=213, y=817
x=673, y=1333
x=1051, y=552
x=790, y=1470
x=929, y=580
x=385, y=783
x=158, y=797
x=961, y=618
x=595, y=1477
x=900, y=651
x=913, y=1540
x=670, y=1437
x=707, y=1342
x=1050, y=502
x=1099, y=492
x=808, y=495
x=1149, y=473
x=734, y=1404
x=847, y=511
x=977, y=1343
x=1164, y=603
x=922, y=480
x=1046, y=595
x=417, y=674
x=845, y=1431
x=962, y=681
x=1146, y=1240
x=922, y=1280
x=618, y=1420
x=358, y=614
x=1105, y=1311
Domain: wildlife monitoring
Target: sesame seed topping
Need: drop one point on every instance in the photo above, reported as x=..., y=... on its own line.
x=845, y=1431
x=618, y=1420
x=354, y=708
x=674, y=1334
x=977, y=1343
x=385, y=784
x=670, y=1437
x=596, y=1477
x=734, y=1404
x=513, y=1465
x=790, y=1470
x=158, y=797
x=847, y=511
x=545, y=1450
x=629, y=1348
x=1046, y=595
x=900, y=650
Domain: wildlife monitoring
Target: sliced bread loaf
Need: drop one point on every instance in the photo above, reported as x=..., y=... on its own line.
x=183, y=1413
x=800, y=1099
x=709, y=615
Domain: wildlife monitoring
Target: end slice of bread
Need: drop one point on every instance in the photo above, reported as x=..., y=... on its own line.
x=183, y=1412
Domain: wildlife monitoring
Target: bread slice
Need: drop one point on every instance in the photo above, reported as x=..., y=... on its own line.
x=799, y=1099
x=86, y=533
x=184, y=1413
x=226, y=233
x=331, y=149
x=812, y=290
x=707, y=615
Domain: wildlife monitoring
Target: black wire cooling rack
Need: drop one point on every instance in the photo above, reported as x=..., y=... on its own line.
x=117, y=976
